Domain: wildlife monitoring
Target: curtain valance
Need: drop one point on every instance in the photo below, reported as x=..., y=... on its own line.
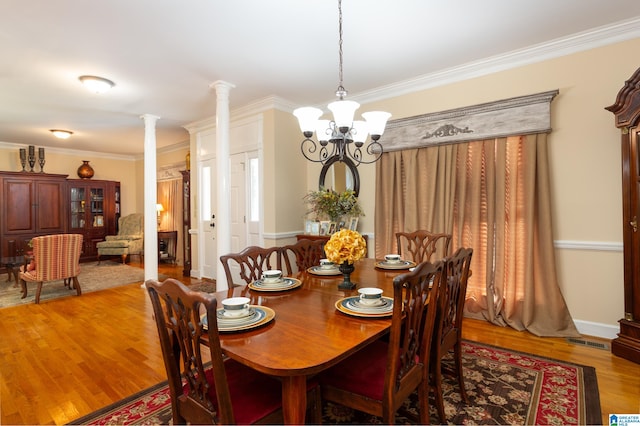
x=515, y=116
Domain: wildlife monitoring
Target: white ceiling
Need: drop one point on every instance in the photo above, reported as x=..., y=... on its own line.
x=164, y=54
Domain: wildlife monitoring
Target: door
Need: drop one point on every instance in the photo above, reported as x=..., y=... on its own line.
x=208, y=195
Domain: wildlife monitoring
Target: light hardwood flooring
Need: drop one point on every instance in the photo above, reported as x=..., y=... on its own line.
x=66, y=358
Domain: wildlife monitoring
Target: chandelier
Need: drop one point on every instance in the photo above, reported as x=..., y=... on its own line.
x=342, y=138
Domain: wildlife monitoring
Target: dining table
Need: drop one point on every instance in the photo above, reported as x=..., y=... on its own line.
x=308, y=333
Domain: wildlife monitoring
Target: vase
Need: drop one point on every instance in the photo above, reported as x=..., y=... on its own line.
x=85, y=171
x=346, y=269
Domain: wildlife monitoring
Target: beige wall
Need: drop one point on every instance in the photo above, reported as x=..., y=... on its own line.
x=106, y=167
x=585, y=164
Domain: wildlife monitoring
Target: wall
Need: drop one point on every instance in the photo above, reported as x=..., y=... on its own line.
x=106, y=167
x=585, y=167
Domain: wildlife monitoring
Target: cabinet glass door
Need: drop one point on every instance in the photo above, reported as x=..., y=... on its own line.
x=97, y=207
x=77, y=207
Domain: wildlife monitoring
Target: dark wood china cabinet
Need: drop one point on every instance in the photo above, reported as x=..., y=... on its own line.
x=627, y=119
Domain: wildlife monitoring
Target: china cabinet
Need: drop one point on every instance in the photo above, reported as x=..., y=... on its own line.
x=627, y=119
x=32, y=204
x=94, y=208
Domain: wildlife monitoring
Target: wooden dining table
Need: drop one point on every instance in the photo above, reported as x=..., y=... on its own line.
x=308, y=334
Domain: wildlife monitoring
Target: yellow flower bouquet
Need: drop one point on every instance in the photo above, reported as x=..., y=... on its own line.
x=345, y=246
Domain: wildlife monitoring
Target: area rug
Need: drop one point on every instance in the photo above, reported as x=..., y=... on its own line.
x=92, y=277
x=503, y=386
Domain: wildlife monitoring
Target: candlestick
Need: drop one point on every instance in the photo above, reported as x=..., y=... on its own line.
x=32, y=157
x=41, y=153
x=23, y=158
x=32, y=150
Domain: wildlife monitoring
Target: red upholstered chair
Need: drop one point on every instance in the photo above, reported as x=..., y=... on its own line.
x=227, y=392
x=55, y=257
x=305, y=253
x=380, y=377
x=448, y=325
x=420, y=246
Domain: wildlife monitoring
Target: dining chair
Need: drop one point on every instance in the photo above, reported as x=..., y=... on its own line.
x=380, y=377
x=305, y=253
x=227, y=392
x=448, y=325
x=419, y=246
x=55, y=257
x=251, y=262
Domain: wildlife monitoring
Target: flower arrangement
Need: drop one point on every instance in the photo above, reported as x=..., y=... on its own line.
x=327, y=203
x=345, y=246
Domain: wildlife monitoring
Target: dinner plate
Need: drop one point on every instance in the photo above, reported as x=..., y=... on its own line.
x=260, y=315
x=287, y=283
x=317, y=270
x=403, y=264
x=351, y=306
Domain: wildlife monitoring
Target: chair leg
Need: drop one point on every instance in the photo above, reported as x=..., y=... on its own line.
x=98, y=258
x=38, y=290
x=23, y=285
x=457, y=355
x=437, y=389
x=76, y=285
x=423, y=399
x=124, y=258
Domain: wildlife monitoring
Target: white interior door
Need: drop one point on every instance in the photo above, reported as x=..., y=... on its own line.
x=208, y=223
x=238, y=203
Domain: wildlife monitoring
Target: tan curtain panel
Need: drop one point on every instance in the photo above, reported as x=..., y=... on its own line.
x=493, y=196
x=170, y=196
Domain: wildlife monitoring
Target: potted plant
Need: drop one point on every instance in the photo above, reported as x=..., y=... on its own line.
x=327, y=204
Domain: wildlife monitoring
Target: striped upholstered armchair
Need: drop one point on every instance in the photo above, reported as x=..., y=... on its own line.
x=55, y=257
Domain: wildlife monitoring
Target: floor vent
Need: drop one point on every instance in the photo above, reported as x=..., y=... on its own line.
x=590, y=343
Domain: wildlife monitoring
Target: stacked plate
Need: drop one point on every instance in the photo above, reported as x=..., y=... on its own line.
x=353, y=306
x=255, y=317
x=319, y=270
x=285, y=283
x=403, y=264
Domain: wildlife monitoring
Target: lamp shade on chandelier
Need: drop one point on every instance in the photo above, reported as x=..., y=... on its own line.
x=342, y=137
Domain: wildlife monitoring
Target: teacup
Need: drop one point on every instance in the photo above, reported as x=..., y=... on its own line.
x=392, y=258
x=272, y=276
x=236, y=306
x=327, y=264
x=370, y=295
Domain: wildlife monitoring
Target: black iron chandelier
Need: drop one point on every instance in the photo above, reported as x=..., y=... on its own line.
x=341, y=138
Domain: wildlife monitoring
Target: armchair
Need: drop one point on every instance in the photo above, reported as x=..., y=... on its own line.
x=55, y=257
x=128, y=241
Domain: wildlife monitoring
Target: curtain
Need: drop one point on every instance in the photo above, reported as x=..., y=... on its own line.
x=492, y=196
x=169, y=194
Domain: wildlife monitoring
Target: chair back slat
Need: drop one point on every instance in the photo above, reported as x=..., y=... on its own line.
x=421, y=245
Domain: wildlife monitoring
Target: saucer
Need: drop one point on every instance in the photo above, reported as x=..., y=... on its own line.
x=352, y=306
x=260, y=315
x=403, y=264
x=318, y=270
x=286, y=283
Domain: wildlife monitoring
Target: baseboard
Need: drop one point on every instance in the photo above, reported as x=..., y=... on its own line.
x=595, y=329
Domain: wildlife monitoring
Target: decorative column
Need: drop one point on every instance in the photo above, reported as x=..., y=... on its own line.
x=150, y=199
x=223, y=175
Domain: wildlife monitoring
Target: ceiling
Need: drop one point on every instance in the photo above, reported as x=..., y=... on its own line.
x=163, y=56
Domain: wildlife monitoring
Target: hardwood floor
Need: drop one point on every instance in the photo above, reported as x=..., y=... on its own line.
x=66, y=358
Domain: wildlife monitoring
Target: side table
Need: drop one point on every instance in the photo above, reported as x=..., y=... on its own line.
x=167, y=244
x=12, y=263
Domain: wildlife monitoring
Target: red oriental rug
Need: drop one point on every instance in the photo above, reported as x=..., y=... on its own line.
x=504, y=387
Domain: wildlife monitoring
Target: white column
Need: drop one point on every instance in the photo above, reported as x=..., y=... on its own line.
x=150, y=199
x=223, y=215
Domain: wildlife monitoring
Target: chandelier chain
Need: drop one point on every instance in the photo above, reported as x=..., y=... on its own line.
x=341, y=92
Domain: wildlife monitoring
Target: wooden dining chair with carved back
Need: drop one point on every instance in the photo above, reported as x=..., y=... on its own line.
x=421, y=245
x=380, y=377
x=448, y=325
x=227, y=392
x=252, y=261
x=304, y=252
